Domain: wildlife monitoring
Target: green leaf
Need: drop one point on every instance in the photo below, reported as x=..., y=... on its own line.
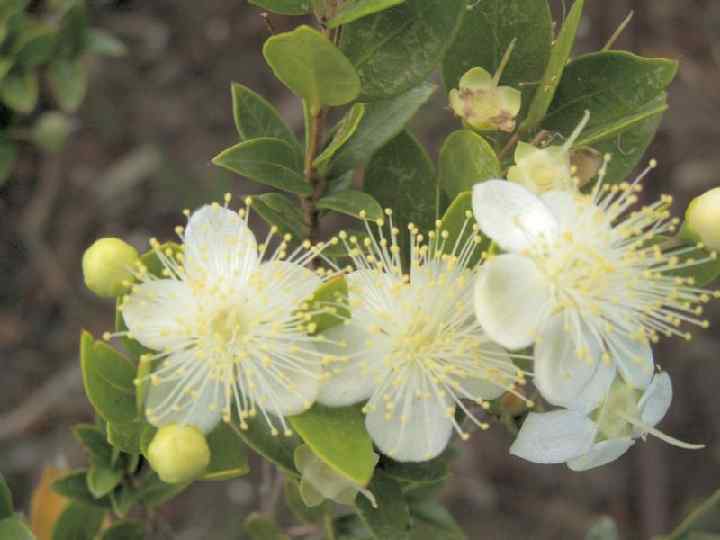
x=703, y=274
x=78, y=522
x=68, y=81
x=401, y=176
x=255, y=117
x=398, y=48
x=228, y=454
x=268, y=161
x=328, y=305
x=108, y=378
x=312, y=67
x=428, y=472
x=37, y=44
x=345, y=129
x=6, y=502
x=154, y=492
x=603, y=529
x=20, y=92
x=456, y=221
x=391, y=519
x=279, y=210
x=102, y=479
x=14, y=528
x=296, y=505
x=357, y=9
x=125, y=436
x=352, y=202
x=284, y=7
x=8, y=154
x=559, y=55
x=625, y=95
x=465, y=159
x=433, y=522
x=94, y=441
x=338, y=437
x=124, y=530
x=104, y=43
x=73, y=37
x=383, y=120
x=486, y=33
x=259, y=527
x=277, y=448
x=75, y=486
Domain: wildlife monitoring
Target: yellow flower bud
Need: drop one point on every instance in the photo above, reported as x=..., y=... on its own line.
x=542, y=169
x=179, y=454
x=107, y=264
x=702, y=219
x=483, y=104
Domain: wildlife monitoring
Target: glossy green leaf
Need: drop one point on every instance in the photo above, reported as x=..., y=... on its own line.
x=338, y=437
x=312, y=67
x=391, y=519
x=93, y=440
x=382, y=121
x=433, y=522
x=125, y=436
x=68, y=81
x=255, y=117
x=357, y=9
x=427, y=472
x=279, y=210
x=8, y=154
x=104, y=43
x=14, y=528
x=6, y=502
x=465, y=159
x=102, y=479
x=20, y=92
x=559, y=55
x=124, y=530
x=78, y=522
x=345, y=129
x=228, y=454
x=260, y=527
x=278, y=449
x=268, y=161
x=328, y=305
x=397, y=49
x=352, y=203
x=486, y=33
x=75, y=486
x=108, y=378
x=284, y=7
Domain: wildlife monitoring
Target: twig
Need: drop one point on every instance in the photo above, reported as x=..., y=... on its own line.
x=509, y=146
x=619, y=31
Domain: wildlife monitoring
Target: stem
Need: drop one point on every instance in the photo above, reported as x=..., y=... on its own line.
x=318, y=184
x=509, y=146
x=619, y=31
x=328, y=526
x=699, y=512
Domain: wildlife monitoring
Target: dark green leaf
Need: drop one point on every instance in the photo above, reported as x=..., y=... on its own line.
x=20, y=92
x=68, y=81
x=94, y=441
x=124, y=530
x=36, y=46
x=277, y=209
x=433, y=522
x=344, y=131
x=78, y=522
x=328, y=305
x=75, y=486
x=458, y=219
x=268, y=161
x=383, y=120
x=486, y=33
x=312, y=67
x=8, y=154
x=428, y=472
x=102, y=479
x=277, y=448
x=352, y=203
x=125, y=436
x=397, y=49
x=73, y=38
x=465, y=159
x=357, y=9
x=14, y=528
x=338, y=437
x=228, y=454
x=391, y=519
x=108, y=378
x=105, y=44
x=259, y=527
x=255, y=117
x=284, y=7
x=154, y=492
x=6, y=502
x=559, y=55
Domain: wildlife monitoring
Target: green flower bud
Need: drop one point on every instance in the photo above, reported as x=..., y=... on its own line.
x=179, y=454
x=107, y=266
x=483, y=104
x=702, y=219
x=51, y=131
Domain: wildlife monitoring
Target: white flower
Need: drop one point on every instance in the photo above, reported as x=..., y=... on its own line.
x=225, y=324
x=584, y=443
x=586, y=281
x=413, y=348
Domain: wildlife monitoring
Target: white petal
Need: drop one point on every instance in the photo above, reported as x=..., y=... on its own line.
x=601, y=454
x=495, y=374
x=278, y=288
x=195, y=399
x=220, y=250
x=511, y=215
x=634, y=359
x=418, y=431
x=655, y=402
x=159, y=313
x=562, y=376
x=554, y=437
x=353, y=379
x=563, y=205
x=511, y=299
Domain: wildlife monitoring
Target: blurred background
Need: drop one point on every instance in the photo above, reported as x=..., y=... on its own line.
x=146, y=132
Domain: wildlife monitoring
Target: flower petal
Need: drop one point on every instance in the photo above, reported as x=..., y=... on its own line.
x=510, y=99
x=495, y=373
x=280, y=287
x=563, y=376
x=220, y=249
x=511, y=215
x=563, y=205
x=476, y=78
x=511, y=299
x=655, y=402
x=159, y=313
x=554, y=437
x=634, y=359
x=601, y=454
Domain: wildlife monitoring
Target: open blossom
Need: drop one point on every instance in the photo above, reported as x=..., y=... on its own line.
x=584, y=442
x=586, y=280
x=483, y=104
x=412, y=347
x=226, y=326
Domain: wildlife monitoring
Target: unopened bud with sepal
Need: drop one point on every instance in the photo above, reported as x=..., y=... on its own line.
x=179, y=454
x=107, y=266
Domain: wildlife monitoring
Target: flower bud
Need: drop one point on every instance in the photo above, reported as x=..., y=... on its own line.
x=483, y=104
x=179, y=454
x=107, y=264
x=51, y=131
x=702, y=219
x=542, y=169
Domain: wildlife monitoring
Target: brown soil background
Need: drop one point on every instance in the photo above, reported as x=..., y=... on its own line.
x=146, y=133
